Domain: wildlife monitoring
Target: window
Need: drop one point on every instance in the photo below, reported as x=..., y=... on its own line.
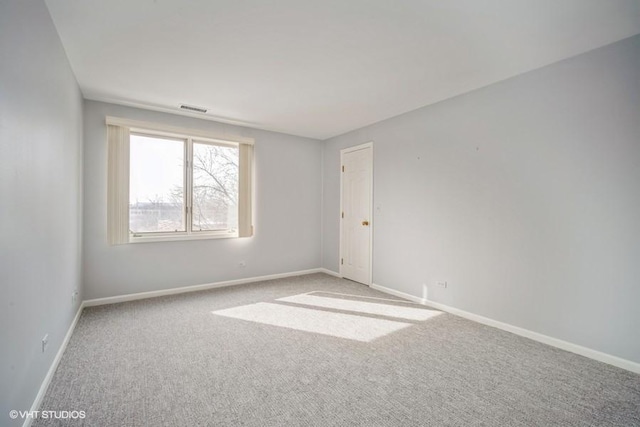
x=170, y=185
x=157, y=196
x=182, y=186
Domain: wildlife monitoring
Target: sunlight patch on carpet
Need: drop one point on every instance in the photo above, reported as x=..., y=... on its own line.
x=353, y=327
x=377, y=308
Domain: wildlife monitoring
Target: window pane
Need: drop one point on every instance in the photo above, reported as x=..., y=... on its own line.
x=156, y=187
x=215, y=187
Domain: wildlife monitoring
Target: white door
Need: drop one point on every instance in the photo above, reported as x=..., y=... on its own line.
x=356, y=203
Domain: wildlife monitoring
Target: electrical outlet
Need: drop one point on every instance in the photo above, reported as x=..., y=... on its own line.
x=242, y=264
x=442, y=284
x=74, y=296
x=45, y=341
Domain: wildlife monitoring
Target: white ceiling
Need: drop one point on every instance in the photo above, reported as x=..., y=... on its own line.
x=320, y=68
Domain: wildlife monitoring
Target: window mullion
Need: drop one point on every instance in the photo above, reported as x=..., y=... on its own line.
x=188, y=172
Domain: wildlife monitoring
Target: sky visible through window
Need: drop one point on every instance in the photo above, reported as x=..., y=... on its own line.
x=156, y=186
x=156, y=168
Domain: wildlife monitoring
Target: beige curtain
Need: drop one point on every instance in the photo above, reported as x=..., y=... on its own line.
x=118, y=185
x=245, y=215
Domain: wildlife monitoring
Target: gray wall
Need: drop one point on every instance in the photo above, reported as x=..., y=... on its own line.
x=524, y=196
x=287, y=215
x=40, y=190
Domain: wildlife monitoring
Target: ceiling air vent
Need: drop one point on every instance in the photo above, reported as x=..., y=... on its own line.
x=192, y=108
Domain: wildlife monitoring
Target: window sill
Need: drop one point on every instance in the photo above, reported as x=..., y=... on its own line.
x=179, y=237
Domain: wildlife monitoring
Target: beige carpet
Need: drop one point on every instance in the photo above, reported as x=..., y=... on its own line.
x=320, y=351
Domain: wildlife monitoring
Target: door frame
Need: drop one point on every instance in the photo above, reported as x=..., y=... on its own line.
x=371, y=222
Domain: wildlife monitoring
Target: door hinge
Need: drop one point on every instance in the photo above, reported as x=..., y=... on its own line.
x=343, y=168
x=341, y=261
x=342, y=214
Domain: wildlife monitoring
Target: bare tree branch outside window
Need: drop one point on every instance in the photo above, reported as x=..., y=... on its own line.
x=215, y=187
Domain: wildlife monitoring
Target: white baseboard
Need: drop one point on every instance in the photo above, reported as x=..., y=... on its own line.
x=54, y=365
x=195, y=288
x=545, y=339
x=329, y=272
x=399, y=294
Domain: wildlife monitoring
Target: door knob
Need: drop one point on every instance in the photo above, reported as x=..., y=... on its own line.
x=365, y=223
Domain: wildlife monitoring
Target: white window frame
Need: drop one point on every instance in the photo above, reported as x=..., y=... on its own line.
x=121, y=184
